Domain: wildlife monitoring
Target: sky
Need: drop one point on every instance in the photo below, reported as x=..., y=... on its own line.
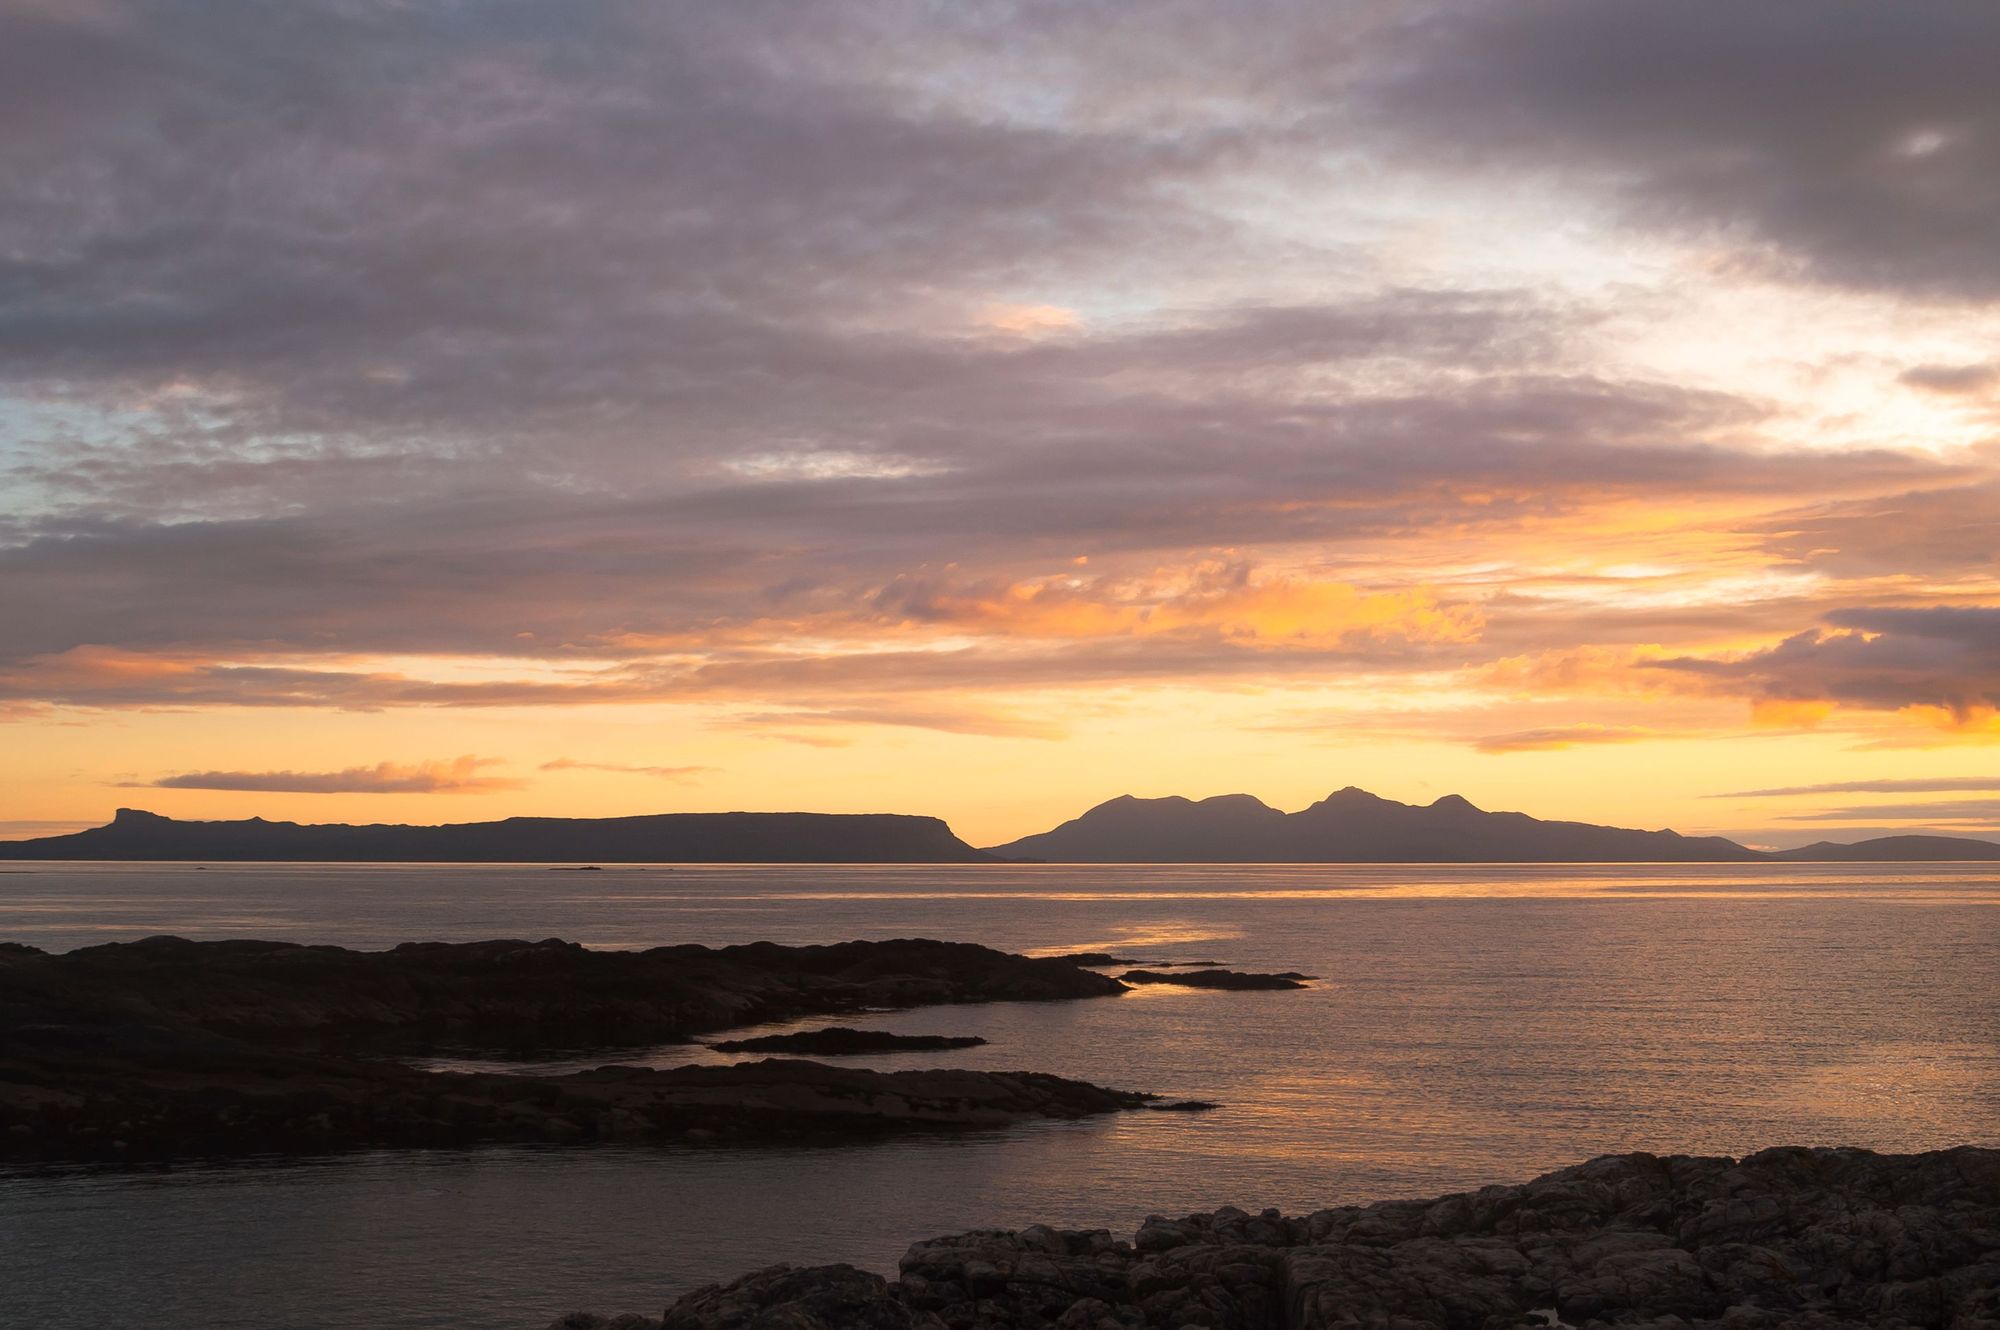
x=424, y=411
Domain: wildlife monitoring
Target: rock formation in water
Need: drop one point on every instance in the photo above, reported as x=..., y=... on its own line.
x=522, y=997
x=168, y=1047
x=843, y=1041
x=1811, y=1238
x=1235, y=980
x=879, y=838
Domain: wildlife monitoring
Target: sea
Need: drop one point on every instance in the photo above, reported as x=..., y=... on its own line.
x=1469, y=1025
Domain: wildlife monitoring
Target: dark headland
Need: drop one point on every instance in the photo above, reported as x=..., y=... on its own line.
x=1816, y=1239
x=1348, y=826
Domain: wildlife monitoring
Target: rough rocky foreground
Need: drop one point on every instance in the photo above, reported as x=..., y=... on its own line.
x=1813, y=1238
x=166, y=1047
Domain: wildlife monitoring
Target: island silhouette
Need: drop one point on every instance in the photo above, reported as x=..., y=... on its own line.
x=1348, y=826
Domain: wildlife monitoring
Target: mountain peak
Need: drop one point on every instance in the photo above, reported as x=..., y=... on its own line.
x=1455, y=803
x=1353, y=794
x=128, y=816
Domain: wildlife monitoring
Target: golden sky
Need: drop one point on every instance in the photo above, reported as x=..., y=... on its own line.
x=430, y=413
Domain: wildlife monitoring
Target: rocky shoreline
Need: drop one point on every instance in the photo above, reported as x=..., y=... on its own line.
x=168, y=1048
x=1821, y=1239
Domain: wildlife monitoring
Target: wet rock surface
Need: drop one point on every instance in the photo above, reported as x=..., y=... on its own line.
x=168, y=1047
x=841, y=1040
x=1818, y=1238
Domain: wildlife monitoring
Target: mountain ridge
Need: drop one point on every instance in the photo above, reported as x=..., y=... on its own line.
x=1352, y=825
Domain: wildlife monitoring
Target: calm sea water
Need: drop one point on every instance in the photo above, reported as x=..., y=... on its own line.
x=1473, y=1025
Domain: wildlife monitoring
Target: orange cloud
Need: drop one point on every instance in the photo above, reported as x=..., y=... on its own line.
x=1222, y=599
x=663, y=773
x=1029, y=320
x=1587, y=669
x=1969, y=723
x=1788, y=713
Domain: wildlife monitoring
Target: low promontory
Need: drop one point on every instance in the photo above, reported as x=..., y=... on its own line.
x=167, y=1047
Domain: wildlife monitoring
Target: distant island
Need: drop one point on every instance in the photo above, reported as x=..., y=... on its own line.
x=1893, y=849
x=822, y=838
x=1354, y=826
x=1350, y=826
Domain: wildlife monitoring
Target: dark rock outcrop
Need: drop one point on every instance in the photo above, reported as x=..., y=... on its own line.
x=510, y=995
x=842, y=1040
x=1235, y=980
x=170, y=1047
x=190, y=1101
x=1814, y=1238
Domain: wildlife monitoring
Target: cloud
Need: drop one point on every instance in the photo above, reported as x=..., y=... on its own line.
x=457, y=776
x=1563, y=736
x=1920, y=785
x=1941, y=662
x=1030, y=320
x=663, y=773
x=879, y=365
x=570, y=573
x=1852, y=143
x=1981, y=811
x=1945, y=532
x=23, y=828
x=1223, y=597
x=1952, y=380
x=947, y=719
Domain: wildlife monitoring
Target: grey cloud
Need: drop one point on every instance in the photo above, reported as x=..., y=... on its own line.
x=1952, y=380
x=441, y=218
x=1937, y=531
x=1883, y=658
x=1860, y=141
